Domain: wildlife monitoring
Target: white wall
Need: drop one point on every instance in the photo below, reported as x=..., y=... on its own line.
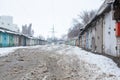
x=109, y=34
x=6, y=19
x=7, y=23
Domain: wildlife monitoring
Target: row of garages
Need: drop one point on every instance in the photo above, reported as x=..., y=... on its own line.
x=72, y=41
x=101, y=34
x=8, y=39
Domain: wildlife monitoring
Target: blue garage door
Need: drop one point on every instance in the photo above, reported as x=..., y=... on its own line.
x=5, y=40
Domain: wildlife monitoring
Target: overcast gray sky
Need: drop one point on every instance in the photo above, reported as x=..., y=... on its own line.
x=44, y=13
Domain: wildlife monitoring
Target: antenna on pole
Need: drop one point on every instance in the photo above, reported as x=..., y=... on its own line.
x=53, y=33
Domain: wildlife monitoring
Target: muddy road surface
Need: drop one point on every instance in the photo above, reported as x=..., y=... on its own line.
x=49, y=63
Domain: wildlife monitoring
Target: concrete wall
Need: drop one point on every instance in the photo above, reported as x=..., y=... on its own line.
x=84, y=40
x=90, y=38
x=16, y=40
x=99, y=35
x=93, y=39
x=87, y=39
x=109, y=35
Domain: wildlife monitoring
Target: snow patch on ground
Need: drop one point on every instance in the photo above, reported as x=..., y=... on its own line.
x=5, y=51
x=105, y=64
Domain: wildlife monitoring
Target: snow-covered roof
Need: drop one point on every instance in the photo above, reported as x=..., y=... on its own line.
x=16, y=33
x=104, y=6
x=7, y=31
x=2, y=30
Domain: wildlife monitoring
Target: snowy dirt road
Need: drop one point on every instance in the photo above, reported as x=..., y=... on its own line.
x=58, y=62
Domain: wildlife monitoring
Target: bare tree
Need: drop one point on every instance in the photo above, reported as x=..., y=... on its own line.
x=84, y=17
x=74, y=31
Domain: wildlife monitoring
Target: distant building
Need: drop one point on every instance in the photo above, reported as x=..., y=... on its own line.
x=24, y=29
x=6, y=22
x=27, y=30
x=30, y=30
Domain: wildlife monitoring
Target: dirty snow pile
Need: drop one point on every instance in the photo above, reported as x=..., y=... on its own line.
x=89, y=66
x=57, y=62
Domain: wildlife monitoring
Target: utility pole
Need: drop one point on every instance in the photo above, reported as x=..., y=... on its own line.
x=53, y=33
